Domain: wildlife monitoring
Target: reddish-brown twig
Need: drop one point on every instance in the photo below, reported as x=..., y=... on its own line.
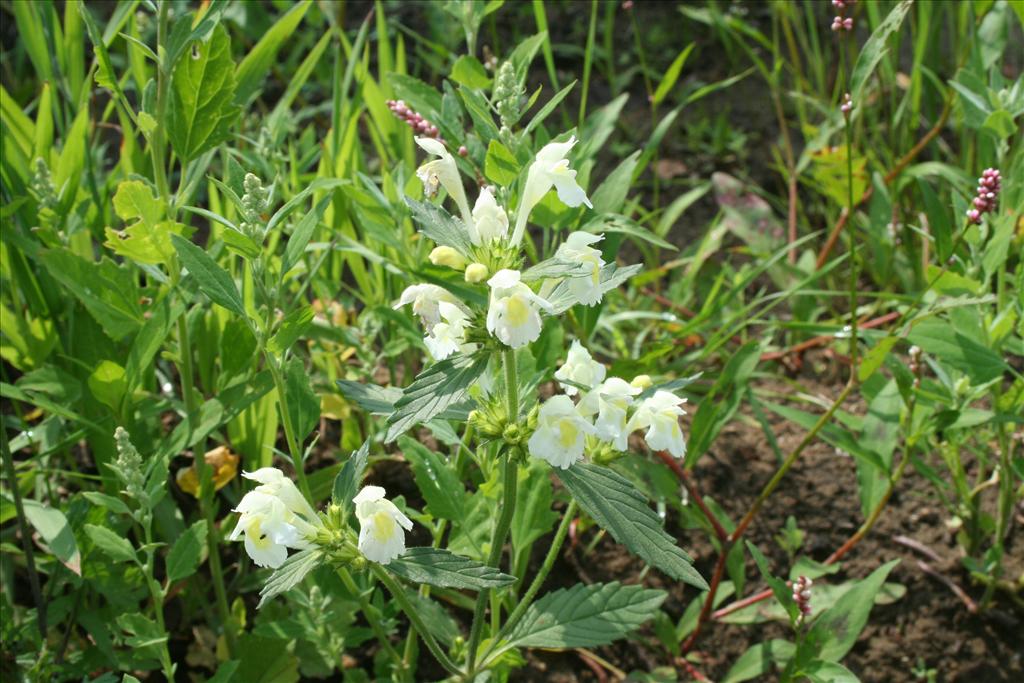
x=826, y=338
x=972, y=606
x=720, y=533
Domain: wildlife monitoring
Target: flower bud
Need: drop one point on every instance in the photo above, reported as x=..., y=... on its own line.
x=642, y=382
x=476, y=272
x=446, y=256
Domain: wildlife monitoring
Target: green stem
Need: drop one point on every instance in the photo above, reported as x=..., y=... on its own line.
x=538, y=580
x=157, y=145
x=289, y=429
x=588, y=62
x=25, y=532
x=398, y=593
x=373, y=616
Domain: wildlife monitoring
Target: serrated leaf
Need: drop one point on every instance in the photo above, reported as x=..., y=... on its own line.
x=438, y=225
x=200, y=111
x=618, y=507
x=346, y=484
x=438, y=567
x=437, y=481
x=186, y=553
x=214, y=281
x=586, y=616
x=433, y=390
x=114, y=545
x=562, y=298
x=290, y=574
x=370, y=397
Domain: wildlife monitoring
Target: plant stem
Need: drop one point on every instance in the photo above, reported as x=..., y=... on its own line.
x=26, y=535
x=157, y=145
x=542, y=574
x=398, y=593
x=588, y=62
x=373, y=616
x=286, y=419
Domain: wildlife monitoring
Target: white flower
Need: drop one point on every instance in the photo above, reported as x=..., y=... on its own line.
x=586, y=287
x=444, y=171
x=490, y=220
x=550, y=168
x=513, y=316
x=274, y=517
x=381, y=524
x=611, y=402
x=449, y=336
x=581, y=368
x=425, y=300
x=660, y=415
x=560, y=433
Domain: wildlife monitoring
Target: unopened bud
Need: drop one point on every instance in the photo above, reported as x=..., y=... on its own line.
x=476, y=272
x=642, y=382
x=446, y=256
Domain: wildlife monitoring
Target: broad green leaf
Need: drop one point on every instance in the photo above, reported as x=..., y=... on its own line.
x=438, y=225
x=437, y=567
x=829, y=672
x=290, y=574
x=292, y=327
x=201, y=110
x=500, y=165
x=108, y=384
x=835, y=631
x=880, y=434
x=349, y=479
x=875, y=48
x=253, y=69
x=781, y=592
x=548, y=107
x=618, y=507
x=265, y=660
x=468, y=71
x=433, y=390
x=53, y=526
x=759, y=659
x=108, y=292
x=370, y=397
x=874, y=358
x=562, y=298
x=585, y=616
x=187, y=552
x=115, y=505
x=112, y=544
x=437, y=481
x=303, y=404
x=214, y=281
x=611, y=194
x=941, y=339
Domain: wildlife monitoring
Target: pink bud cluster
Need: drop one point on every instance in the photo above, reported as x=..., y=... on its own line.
x=989, y=185
x=841, y=22
x=802, y=596
x=847, y=106
x=416, y=121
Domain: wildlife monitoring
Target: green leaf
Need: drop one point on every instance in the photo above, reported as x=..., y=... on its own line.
x=759, y=659
x=778, y=586
x=303, y=404
x=500, y=165
x=437, y=567
x=468, y=71
x=874, y=358
x=108, y=384
x=562, y=298
x=438, y=225
x=265, y=660
x=187, y=552
x=437, y=481
x=835, y=631
x=533, y=516
x=880, y=434
x=115, y=505
x=585, y=616
x=214, y=281
x=941, y=339
x=618, y=507
x=290, y=574
x=615, y=222
x=53, y=526
x=370, y=397
x=346, y=484
x=672, y=75
x=108, y=292
x=875, y=48
x=254, y=68
x=302, y=233
x=113, y=544
x=611, y=194
x=292, y=327
x=433, y=390
x=829, y=672
x=201, y=110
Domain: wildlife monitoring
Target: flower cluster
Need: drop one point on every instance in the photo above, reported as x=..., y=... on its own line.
x=414, y=119
x=275, y=517
x=841, y=22
x=802, y=597
x=514, y=309
x=603, y=413
x=847, y=106
x=989, y=185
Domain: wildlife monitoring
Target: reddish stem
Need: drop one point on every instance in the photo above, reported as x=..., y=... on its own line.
x=825, y=338
x=684, y=477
